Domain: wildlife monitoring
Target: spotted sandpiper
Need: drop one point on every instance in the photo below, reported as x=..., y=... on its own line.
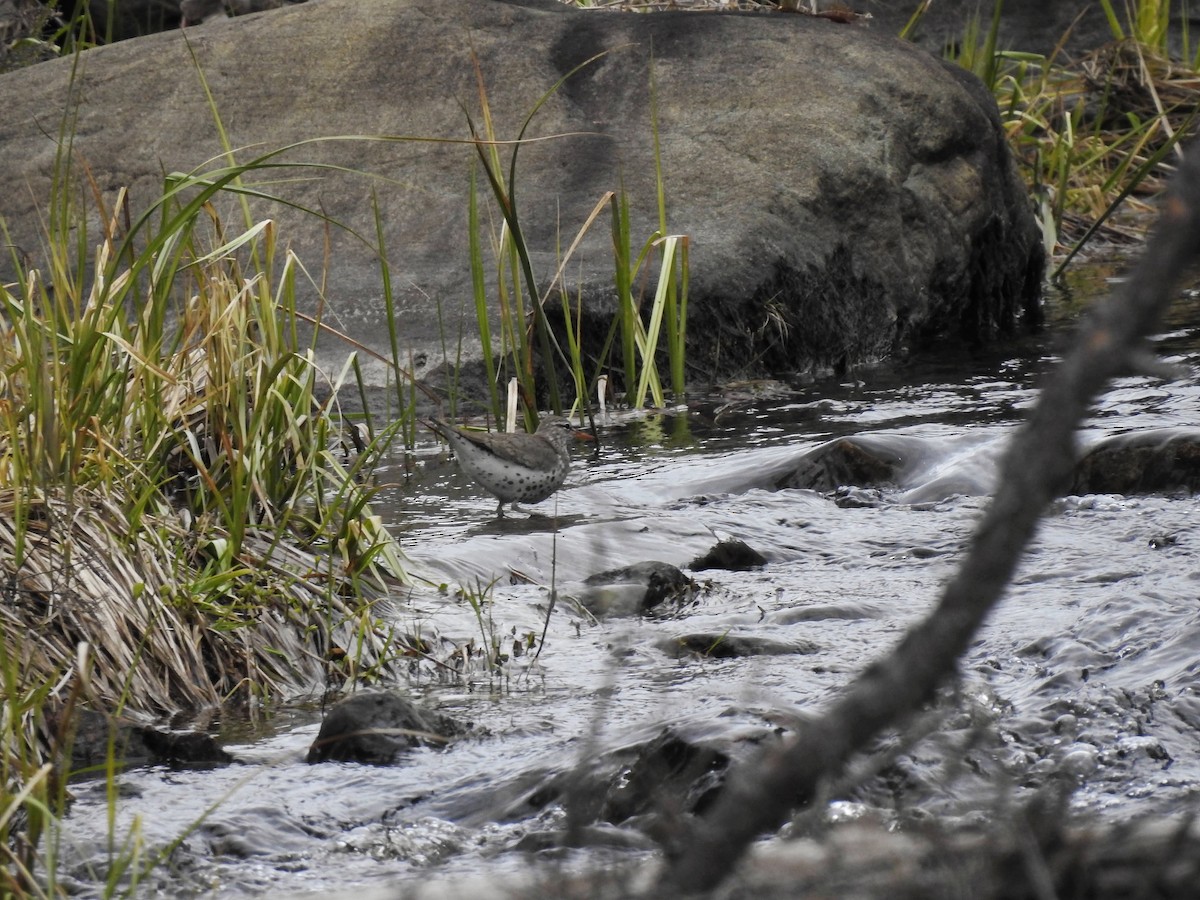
x=515, y=467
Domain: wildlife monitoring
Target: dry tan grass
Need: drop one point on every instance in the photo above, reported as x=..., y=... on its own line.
x=172, y=500
x=152, y=644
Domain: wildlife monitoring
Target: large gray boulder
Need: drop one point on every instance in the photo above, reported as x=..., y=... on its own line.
x=848, y=196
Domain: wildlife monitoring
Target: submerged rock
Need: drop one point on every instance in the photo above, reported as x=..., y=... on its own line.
x=730, y=554
x=635, y=589
x=644, y=785
x=858, y=462
x=376, y=727
x=1160, y=461
x=95, y=736
x=671, y=774
x=731, y=646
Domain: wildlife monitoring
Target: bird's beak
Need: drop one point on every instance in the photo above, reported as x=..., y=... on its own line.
x=583, y=436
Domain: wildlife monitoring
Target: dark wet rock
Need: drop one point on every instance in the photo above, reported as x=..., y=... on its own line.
x=857, y=461
x=376, y=727
x=732, y=555
x=671, y=773
x=645, y=784
x=94, y=736
x=1162, y=541
x=183, y=748
x=612, y=601
x=635, y=589
x=731, y=646
x=875, y=211
x=1160, y=461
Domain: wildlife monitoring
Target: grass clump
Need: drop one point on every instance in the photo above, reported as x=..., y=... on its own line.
x=1097, y=135
x=173, y=492
x=182, y=522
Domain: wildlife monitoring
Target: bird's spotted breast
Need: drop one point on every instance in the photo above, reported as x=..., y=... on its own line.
x=514, y=467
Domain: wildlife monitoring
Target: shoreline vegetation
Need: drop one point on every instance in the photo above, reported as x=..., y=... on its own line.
x=185, y=512
x=185, y=523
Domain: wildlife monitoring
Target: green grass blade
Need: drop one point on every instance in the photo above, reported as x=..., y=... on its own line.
x=479, y=293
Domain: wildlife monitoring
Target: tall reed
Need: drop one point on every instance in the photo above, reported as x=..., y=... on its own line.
x=521, y=299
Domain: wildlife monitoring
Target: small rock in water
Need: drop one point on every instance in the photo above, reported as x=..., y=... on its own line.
x=715, y=645
x=856, y=461
x=672, y=772
x=375, y=727
x=731, y=554
x=1159, y=461
x=96, y=735
x=634, y=590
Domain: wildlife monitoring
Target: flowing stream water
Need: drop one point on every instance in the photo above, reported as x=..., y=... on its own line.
x=1090, y=664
